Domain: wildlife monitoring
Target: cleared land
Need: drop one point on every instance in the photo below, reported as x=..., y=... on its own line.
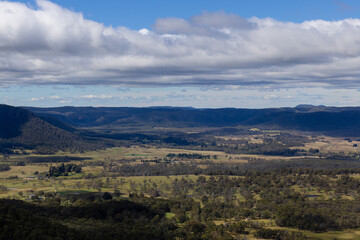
x=21, y=182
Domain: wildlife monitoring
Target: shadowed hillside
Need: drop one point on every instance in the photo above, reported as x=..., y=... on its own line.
x=11, y=121
x=21, y=128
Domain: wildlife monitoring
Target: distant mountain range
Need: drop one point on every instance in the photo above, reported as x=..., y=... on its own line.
x=302, y=117
x=88, y=128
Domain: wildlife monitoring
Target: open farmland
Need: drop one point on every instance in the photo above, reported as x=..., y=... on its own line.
x=197, y=177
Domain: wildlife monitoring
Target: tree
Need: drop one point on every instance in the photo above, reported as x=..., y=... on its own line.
x=117, y=193
x=107, y=196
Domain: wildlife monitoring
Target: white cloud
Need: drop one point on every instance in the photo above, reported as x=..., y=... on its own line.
x=37, y=99
x=102, y=96
x=54, y=97
x=53, y=45
x=144, y=31
x=270, y=96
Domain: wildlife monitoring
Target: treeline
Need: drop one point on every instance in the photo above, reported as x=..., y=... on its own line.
x=54, y=159
x=188, y=156
x=266, y=233
x=4, y=167
x=270, y=147
x=207, y=167
x=279, y=145
x=63, y=170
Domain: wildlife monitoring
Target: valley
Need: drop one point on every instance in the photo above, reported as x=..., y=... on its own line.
x=163, y=181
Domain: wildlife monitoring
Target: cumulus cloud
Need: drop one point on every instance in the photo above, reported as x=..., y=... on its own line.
x=211, y=24
x=49, y=44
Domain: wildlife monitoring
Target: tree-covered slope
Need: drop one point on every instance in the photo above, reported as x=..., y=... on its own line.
x=303, y=118
x=21, y=128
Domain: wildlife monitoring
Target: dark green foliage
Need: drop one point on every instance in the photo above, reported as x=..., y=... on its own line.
x=188, y=156
x=117, y=193
x=107, y=196
x=110, y=220
x=63, y=170
x=306, y=218
x=193, y=230
x=270, y=147
x=176, y=141
x=54, y=159
x=233, y=169
x=18, y=222
x=265, y=233
x=278, y=200
x=4, y=167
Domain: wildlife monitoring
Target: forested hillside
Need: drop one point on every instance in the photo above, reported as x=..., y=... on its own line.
x=304, y=118
x=20, y=128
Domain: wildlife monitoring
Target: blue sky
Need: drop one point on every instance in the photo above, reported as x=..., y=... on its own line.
x=238, y=53
x=138, y=14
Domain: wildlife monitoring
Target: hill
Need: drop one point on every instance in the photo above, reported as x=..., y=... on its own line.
x=333, y=120
x=21, y=128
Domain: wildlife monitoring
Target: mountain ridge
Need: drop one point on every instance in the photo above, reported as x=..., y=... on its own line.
x=86, y=128
x=303, y=118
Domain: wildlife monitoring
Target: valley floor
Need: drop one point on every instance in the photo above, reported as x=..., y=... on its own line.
x=198, y=194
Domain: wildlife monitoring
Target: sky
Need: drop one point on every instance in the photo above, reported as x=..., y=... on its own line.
x=204, y=53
